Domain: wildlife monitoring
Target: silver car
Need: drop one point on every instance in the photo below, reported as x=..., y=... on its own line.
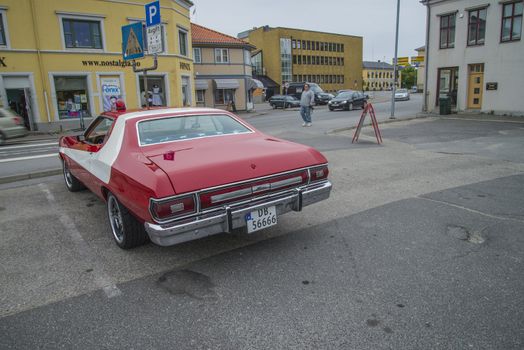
x=401, y=95
x=11, y=126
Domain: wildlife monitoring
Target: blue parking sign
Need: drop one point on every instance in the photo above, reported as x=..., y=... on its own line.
x=152, y=13
x=132, y=41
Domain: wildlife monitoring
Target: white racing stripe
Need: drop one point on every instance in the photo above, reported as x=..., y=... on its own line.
x=28, y=157
x=3, y=148
x=101, y=279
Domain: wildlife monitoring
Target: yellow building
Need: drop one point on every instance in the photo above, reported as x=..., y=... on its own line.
x=334, y=61
x=421, y=70
x=61, y=59
x=378, y=76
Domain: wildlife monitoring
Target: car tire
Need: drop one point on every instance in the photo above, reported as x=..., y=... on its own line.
x=331, y=109
x=127, y=231
x=71, y=182
x=350, y=106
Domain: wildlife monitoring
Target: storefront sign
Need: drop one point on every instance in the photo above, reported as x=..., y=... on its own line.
x=2, y=62
x=111, y=92
x=185, y=66
x=492, y=86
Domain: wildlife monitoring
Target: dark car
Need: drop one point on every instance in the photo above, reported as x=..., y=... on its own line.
x=348, y=100
x=284, y=101
x=323, y=98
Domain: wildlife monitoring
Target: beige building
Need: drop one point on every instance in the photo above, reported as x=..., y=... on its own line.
x=378, y=76
x=334, y=61
x=421, y=70
x=222, y=70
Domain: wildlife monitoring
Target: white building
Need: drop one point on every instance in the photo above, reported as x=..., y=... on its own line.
x=475, y=55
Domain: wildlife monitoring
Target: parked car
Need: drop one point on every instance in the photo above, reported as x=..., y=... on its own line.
x=348, y=100
x=323, y=98
x=11, y=126
x=414, y=89
x=175, y=175
x=401, y=95
x=281, y=101
x=295, y=89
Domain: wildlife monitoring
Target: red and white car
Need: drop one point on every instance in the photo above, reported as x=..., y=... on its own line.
x=174, y=175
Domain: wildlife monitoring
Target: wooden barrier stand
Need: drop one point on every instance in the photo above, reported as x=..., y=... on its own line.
x=369, y=108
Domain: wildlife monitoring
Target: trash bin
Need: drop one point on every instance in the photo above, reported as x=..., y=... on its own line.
x=445, y=105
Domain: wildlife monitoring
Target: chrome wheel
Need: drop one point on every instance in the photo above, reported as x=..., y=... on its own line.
x=67, y=176
x=115, y=218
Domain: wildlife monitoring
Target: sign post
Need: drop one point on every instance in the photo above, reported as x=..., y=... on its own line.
x=133, y=41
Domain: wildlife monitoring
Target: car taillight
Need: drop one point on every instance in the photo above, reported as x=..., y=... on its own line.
x=165, y=209
x=18, y=120
x=319, y=173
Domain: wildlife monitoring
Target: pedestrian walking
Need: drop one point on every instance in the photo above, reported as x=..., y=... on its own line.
x=307, y=99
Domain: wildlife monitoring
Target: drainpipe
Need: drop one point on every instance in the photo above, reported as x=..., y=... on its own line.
x=39, y=55
x=426, y=59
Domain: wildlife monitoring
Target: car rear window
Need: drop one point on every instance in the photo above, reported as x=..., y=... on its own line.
x=187, y=127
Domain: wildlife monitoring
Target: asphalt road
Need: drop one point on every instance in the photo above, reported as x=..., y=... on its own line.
x=421, y=246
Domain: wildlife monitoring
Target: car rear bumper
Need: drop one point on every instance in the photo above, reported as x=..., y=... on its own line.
x=14, y=132
x=228, y=218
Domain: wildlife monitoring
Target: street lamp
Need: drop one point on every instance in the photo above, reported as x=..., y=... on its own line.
x=395, y=67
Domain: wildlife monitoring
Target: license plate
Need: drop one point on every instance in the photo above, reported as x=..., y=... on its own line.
x=261, y=218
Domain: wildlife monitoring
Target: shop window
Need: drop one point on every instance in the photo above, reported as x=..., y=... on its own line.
x=82, y=34
x=3, y=27
x=197, y=55
x=477, y=26
x=511, y=21
x=221, y=56
x=72, y=96
x=156, y=91
x=182, y=41
x=186, y=91
x=224, y=96
x=447, y=31
x=200, y=96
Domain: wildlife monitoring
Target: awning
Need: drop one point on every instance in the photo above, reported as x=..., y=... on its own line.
x=201, y=84
x=266, y=81
x=253, y=84
x=227, y=83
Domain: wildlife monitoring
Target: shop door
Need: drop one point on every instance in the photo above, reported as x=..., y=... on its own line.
x=475, y=83
x=19, y=98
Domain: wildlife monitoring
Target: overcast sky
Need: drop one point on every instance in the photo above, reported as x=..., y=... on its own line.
x=374, y=20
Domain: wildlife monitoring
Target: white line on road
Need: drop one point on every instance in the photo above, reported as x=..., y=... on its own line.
x=29, y=157
x=102, y=280
x=3, y=148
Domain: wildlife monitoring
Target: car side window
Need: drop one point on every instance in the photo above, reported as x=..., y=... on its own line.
x=96, y=134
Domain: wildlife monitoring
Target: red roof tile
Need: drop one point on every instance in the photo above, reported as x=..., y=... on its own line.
x=203, y=35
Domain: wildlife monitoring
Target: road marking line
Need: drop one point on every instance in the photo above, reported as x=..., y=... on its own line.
x=471, y=210
x=102, y=280
x=31, y=145
x=29, y=157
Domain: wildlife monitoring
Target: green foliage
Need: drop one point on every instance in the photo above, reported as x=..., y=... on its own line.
x=409, y=77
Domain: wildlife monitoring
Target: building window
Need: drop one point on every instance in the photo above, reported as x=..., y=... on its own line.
x=342, y=48
x=197, y=55
x=285, y=60
x=308, y=43
x=477, y=27
x=221, y=56
x=3, y=36
x=224, y=96
x=294, y=59
x=156, y=95
x=447, y=31
x=316, y=45
x=256, y=63
x=308, y=59
x=82, y=34
x=299, y=46
x=299, y=59
x=511, y=21
x=182, y=42
x=200, y=96
x=294, y=44
x=72, y=96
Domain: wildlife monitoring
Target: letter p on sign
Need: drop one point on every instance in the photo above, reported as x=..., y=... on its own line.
x=152, y=13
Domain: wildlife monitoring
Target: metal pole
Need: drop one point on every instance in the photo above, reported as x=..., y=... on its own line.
x=395, y=67
x=145, y=88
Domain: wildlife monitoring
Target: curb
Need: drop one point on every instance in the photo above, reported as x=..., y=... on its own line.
x=20, y=177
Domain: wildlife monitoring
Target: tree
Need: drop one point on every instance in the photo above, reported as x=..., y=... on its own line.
x=409, y=77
